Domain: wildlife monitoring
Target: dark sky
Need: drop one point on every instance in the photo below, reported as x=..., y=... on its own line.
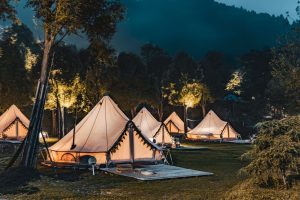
x=195, y=26
x=273, y=7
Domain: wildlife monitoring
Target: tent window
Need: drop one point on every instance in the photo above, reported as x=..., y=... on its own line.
x=68, y=157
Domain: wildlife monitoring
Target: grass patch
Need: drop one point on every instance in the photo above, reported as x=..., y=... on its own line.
x=248, y=191
x=221, y=159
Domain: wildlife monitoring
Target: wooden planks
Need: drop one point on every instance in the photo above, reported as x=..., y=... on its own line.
x=158, y=172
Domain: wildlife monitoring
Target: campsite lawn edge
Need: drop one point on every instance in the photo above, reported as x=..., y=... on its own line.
x=221, y=159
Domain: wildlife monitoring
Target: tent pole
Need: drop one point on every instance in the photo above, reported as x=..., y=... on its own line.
x=74, y=130
x=163, y=134
x=32, y=118
x=170, y=126
x=35, y=145
x=228, y=130
x=17, y=128
x=131, y=143
x=185, y=119
x=171, y=122
x=224, y=129
x=46, y=145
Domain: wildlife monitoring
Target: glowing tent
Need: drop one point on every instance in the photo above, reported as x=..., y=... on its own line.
x=174, y=124
x=13, y=124
x=213, y=128
x=107, y=135
x=152, y=128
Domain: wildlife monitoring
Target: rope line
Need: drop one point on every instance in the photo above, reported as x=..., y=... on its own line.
x=91, y=129
x=106, y=127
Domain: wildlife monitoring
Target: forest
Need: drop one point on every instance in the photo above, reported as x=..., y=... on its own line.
x=58, y=84
x=244, y=89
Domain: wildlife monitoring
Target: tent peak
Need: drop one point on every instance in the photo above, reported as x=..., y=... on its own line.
x=13, y=106
x=211, y=111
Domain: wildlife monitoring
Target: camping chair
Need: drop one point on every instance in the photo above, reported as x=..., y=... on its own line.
x=92, y=161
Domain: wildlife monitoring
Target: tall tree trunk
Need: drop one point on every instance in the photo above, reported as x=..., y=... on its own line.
x=203, y=110
x=59, y=119
x=185, y=119
x=63, y=121
x=31, y=145
x=54, y=122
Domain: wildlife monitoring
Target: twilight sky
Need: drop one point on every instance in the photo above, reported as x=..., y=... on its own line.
x=276, y=7
x=195, y=26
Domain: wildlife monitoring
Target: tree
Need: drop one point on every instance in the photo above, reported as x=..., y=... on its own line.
x=19, y=56
x=206, y=98
x=98, y=71
x=235, y=83
x=96, y=85
x=284, y=88
x=257, y=73
x=275, y=153
x=7, y=11
x=63, y=95
x=184, y=64
x=216, y=72
x=96, y=19
x=189, y=93
x=156, y=61
x=133, y=85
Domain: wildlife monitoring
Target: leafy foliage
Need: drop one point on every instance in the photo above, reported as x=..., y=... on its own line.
x=7, y=11
x=96, y=84
x=216, y=72
x=16, y=83
x=96, y=18
x=275, y=154
x=64, y=93
x=132, y=81
x=283, y=89
x=234, y=84
x=184, y=64
x=187, y=93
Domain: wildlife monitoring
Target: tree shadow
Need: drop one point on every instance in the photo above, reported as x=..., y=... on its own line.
x=67, y=175
x=15, y=181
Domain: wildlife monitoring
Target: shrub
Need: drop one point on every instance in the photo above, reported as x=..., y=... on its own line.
x=274, y=157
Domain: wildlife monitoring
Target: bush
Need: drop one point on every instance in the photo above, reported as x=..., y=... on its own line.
x=275, y=153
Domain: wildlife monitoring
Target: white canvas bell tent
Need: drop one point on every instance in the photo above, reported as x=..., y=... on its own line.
x=13, y=124
x=174, y=124
x=152, y=128
x=106, y=134
x=213, y=128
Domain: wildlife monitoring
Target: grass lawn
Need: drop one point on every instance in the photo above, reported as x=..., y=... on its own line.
x=221, y=159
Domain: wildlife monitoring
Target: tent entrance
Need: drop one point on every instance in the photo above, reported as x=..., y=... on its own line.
x=133, y=147
x=170, y=124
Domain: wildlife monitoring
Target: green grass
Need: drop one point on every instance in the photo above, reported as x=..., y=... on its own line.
x=221, y=159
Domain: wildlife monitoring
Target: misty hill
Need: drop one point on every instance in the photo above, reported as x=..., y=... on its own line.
x=195, y=26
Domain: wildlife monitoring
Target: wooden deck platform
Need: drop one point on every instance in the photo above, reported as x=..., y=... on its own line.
x=157, y=172
x=240, y=141
x=190, y=148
